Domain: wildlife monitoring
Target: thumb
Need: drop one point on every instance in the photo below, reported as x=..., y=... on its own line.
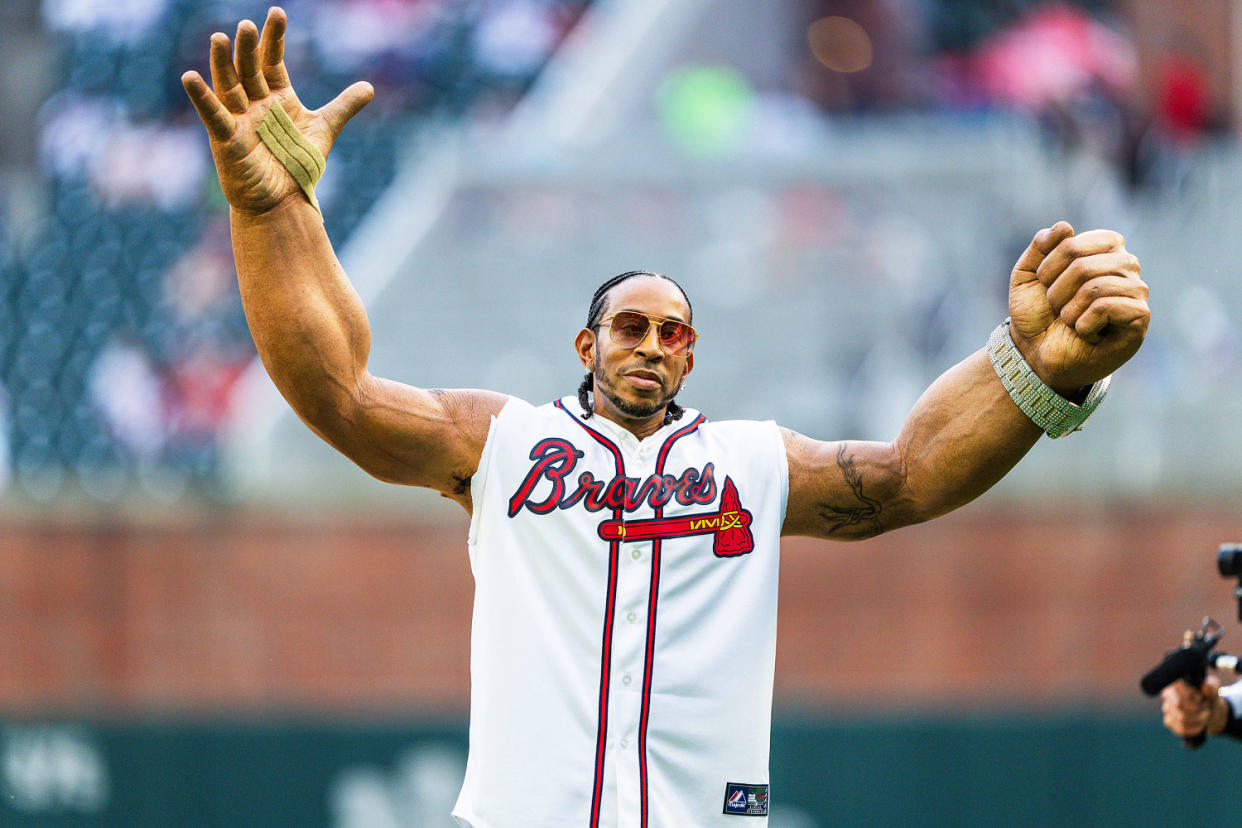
x=337, y=112
x=1045, y=242
x=1210, y=688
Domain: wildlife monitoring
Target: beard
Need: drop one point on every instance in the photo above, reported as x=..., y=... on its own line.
x=639, y=410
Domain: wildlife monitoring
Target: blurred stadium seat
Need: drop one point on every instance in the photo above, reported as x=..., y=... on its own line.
x=812, y=192
x=130, y=253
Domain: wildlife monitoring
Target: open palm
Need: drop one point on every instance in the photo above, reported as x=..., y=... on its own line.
x=245, y=85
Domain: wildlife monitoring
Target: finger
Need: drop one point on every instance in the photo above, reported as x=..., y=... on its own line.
x=1045, y=242
x=1085, y=269
x=224, y=77
x=1179, y=726
x=1181, y=721
x=215, y=117
x=1121, y=313
x=1190, y=706
x=1101, y=287
x=246, y=61
x=272, y=49
x=1172, y=695
x=1075, y=247
x=337, y=112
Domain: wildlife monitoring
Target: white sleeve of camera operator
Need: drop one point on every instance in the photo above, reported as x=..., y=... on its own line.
x=1233, y=694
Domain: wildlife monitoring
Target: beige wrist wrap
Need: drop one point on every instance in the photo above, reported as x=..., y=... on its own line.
x=298, y=155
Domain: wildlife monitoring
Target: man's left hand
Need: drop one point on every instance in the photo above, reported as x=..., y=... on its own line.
x=1077, y=307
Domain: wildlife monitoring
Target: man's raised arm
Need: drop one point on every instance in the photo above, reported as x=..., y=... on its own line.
x=1078, y=311
x=307, y=321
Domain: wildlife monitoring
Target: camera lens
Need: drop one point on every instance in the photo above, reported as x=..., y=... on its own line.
x=1229, y=560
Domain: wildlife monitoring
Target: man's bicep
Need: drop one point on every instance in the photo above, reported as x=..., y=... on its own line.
x=844, y=490
x=420, y=437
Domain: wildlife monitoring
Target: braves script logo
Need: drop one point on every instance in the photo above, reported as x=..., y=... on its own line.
x=555, y=459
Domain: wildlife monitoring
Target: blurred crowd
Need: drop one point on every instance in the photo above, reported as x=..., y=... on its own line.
x=1106, y=77
x=125, y=335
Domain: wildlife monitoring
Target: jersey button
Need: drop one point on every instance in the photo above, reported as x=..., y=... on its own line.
x=631, y=616
x=625, y=743
x=626, y=679
x=636, y=554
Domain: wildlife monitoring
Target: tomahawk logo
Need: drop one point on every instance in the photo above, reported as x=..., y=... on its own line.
x=730, y=525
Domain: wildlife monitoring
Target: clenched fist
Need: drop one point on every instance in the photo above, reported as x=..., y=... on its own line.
x=1189, y=711
x=1077, y=307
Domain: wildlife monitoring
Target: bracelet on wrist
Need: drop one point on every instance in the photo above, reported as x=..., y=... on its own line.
x=1054, y=414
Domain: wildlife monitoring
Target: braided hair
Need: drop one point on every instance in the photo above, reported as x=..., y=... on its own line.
x=673, y=411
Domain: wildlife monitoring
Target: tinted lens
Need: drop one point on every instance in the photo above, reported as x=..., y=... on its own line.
x=628, y=328
x=676, y=336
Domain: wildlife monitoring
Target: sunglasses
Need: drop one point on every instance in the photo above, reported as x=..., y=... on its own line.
x=628, y=328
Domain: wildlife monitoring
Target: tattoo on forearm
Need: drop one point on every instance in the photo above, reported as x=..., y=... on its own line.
x=867, y=512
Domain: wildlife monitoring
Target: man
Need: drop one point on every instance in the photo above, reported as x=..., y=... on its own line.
x=625, y=550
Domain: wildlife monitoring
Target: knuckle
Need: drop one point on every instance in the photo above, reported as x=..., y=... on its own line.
x=1075, y=270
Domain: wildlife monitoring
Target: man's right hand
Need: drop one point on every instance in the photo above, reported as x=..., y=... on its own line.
x=244, y=86
x=1188, y=711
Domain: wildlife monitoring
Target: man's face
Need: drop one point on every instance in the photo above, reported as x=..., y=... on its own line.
x=636, y=383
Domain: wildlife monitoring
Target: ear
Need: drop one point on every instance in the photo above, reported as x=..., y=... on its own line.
x=584, y=344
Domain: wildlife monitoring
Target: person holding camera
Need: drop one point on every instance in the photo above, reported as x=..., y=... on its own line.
x=1192, y=701
x=1209, y=709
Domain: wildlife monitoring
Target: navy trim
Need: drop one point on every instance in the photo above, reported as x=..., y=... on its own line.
x=652, y=602
x=610, y=606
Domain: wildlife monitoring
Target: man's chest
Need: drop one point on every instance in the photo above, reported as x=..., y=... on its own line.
x=620, y=497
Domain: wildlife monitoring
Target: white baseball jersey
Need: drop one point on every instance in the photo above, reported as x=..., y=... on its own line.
x=624, y=632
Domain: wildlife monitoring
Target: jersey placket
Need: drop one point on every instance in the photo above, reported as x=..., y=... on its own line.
x=630, y=636
x=629, y=651
x=635, y=638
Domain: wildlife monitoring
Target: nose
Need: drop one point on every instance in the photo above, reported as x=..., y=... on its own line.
x=649, y=346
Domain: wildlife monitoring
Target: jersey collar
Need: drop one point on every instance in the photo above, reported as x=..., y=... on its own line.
x=619, y=434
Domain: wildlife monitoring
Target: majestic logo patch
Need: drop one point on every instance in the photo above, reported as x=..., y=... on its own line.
x=746, y=800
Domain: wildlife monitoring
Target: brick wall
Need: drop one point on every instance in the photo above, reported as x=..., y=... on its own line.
x=239, y=614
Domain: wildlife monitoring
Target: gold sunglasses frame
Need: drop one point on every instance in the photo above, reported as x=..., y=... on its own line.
x=652, y=321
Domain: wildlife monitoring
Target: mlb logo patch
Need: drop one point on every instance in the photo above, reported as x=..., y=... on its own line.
x=746, y=800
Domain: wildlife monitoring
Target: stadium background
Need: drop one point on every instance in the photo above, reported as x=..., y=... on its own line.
x=208, y=618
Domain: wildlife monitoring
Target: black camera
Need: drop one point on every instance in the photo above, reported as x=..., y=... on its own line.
x=1229, y=564
x=1229, y=560
x=1198, y=650
x=1198, y=653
